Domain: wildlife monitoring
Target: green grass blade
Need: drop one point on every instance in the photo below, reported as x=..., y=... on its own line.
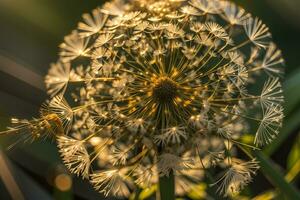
x=294, y=155
x=167, y=187
x=290, y=90
x=269, y=169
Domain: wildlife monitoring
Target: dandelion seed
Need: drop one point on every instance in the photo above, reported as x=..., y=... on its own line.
x=73, y=47
x=173, y=31
x=74, y=155
x=156, y=27
x=233, y=14
x=92, y=24
x=171, y=135
x=103, y=39
x=58, y=78
x=111, y=182
x=205, y=39
x=197, y=27
x=141, y=27
x=273, y=61
x=115, y=8
x=101, y=52
x=119, y=156
x=257, y=32
x=175, y=134
x=137, y=15
x=189, y=10
x=160, y=140
x=216, y=30
x=146, y=176
x=269, y=126
x=235, y=57
x=225, y=131
x=272, y=93
x=207, y=6
x=137, y=125
x=236, y=177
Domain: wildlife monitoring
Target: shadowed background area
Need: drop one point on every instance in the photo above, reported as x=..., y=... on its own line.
x=31, y=31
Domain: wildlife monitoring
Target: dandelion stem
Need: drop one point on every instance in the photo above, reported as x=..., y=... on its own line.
x=167, y=187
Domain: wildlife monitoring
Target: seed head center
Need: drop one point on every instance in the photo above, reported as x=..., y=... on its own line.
x=165, y=90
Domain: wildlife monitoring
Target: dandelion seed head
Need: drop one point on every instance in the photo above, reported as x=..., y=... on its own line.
x=144, y=89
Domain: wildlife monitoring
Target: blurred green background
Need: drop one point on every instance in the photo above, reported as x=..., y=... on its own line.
x=30, y=32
